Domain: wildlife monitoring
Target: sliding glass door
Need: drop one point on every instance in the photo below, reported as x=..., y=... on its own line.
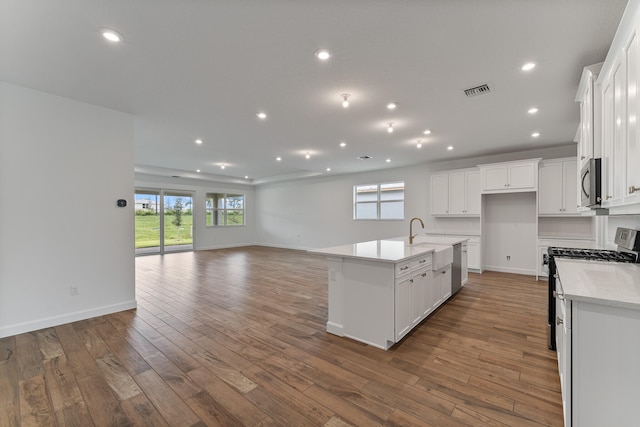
x=163, y=221
x=178, y=221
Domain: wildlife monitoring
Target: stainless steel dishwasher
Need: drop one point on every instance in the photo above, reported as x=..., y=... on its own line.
x=456, y=269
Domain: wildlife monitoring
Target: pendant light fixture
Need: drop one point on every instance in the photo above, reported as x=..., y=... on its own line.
x=390, y=127
x=345, y=100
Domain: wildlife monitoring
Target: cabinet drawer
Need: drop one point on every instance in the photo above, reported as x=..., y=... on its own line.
x=403, y=267
x=420, y=262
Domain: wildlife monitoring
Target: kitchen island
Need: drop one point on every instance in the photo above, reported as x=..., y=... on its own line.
x=381, y=289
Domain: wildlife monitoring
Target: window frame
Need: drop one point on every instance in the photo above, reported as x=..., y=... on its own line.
x=214, y=210
x=378, y=202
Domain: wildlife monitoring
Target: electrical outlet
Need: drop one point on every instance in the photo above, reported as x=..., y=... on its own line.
x=508, y=257
x=74, y=290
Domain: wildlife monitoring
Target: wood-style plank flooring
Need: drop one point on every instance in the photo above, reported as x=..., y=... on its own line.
x=237, y=337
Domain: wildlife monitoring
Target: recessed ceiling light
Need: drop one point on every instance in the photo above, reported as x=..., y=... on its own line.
x=278, y=158
x=419, y=145
x=246, y=177
x=427, y=132
x=345, y=100
x=390, y=127
x=532, y=110
x=450, y=147
x=198, y=170
x=343, y=144
x=323, y=54
x=198, y=141
x=261, y=115
x=222, y=166
x=307, y=156
x=392, y=105
x=529, y=66
x=535, y=134
x=328, y=169
x=388, y=160
x=111, y=35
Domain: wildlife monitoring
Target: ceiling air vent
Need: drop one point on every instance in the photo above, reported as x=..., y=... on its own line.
x=478, y=90
x=365, y=157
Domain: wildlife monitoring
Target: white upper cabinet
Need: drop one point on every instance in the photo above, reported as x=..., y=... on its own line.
x=617, y=84
x=589, y=142
x=440, y=194
x=509, y=177
x=456, y=193
x=557, y=188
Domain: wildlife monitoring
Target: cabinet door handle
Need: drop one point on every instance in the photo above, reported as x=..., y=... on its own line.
x=422, y=261
x=609, y=197
x=582, y=157
x=406, y=267
x=424, y=274
x=411, y=280
x=633, y=189
x=559, y=321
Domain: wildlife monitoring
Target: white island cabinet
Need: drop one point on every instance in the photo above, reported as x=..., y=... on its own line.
x=381, y=289
x=598, y=342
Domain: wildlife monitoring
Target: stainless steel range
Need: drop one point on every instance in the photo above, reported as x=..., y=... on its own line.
x=628, y=242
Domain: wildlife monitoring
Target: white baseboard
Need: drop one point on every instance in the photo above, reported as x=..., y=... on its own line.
x=524, y=271
x=7, y=331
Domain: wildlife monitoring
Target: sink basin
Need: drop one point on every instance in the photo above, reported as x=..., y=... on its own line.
x=442, y=256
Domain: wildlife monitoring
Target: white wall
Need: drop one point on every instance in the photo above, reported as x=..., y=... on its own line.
x=63, y=165
x=318, y=212
x=209, y=237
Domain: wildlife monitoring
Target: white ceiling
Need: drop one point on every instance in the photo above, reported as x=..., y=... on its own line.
x=192, y=69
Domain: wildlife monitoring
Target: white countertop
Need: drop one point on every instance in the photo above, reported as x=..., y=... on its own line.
x=599, y=282
x=389, y=250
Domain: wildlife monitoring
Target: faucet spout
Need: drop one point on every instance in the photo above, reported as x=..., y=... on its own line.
x=411, y=235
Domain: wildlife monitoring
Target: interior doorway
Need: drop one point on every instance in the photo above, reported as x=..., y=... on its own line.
x=163, y=221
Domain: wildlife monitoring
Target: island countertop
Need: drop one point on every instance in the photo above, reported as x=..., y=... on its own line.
x=599, y=282
x=388, y=250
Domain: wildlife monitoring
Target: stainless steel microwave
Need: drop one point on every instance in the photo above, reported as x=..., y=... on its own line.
x=590, y=184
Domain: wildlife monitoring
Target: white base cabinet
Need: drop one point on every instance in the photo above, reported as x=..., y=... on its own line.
x=441, y=286
x=598, y=350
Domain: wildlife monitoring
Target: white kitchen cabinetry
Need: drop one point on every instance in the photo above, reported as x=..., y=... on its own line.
x=558, y=188
x=441, y=285
x=473, y=253
x=598, y=351
x=589, y=99
x=412, y=294
x=563, y=349
x=509, y=177
x=618, y=85
x=455, y=193
x=440, y=194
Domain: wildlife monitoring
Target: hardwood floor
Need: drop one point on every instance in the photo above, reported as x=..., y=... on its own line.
x=237, y=337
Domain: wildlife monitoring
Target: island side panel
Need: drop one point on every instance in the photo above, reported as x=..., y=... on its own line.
x=335, y=318
x=369, y=301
